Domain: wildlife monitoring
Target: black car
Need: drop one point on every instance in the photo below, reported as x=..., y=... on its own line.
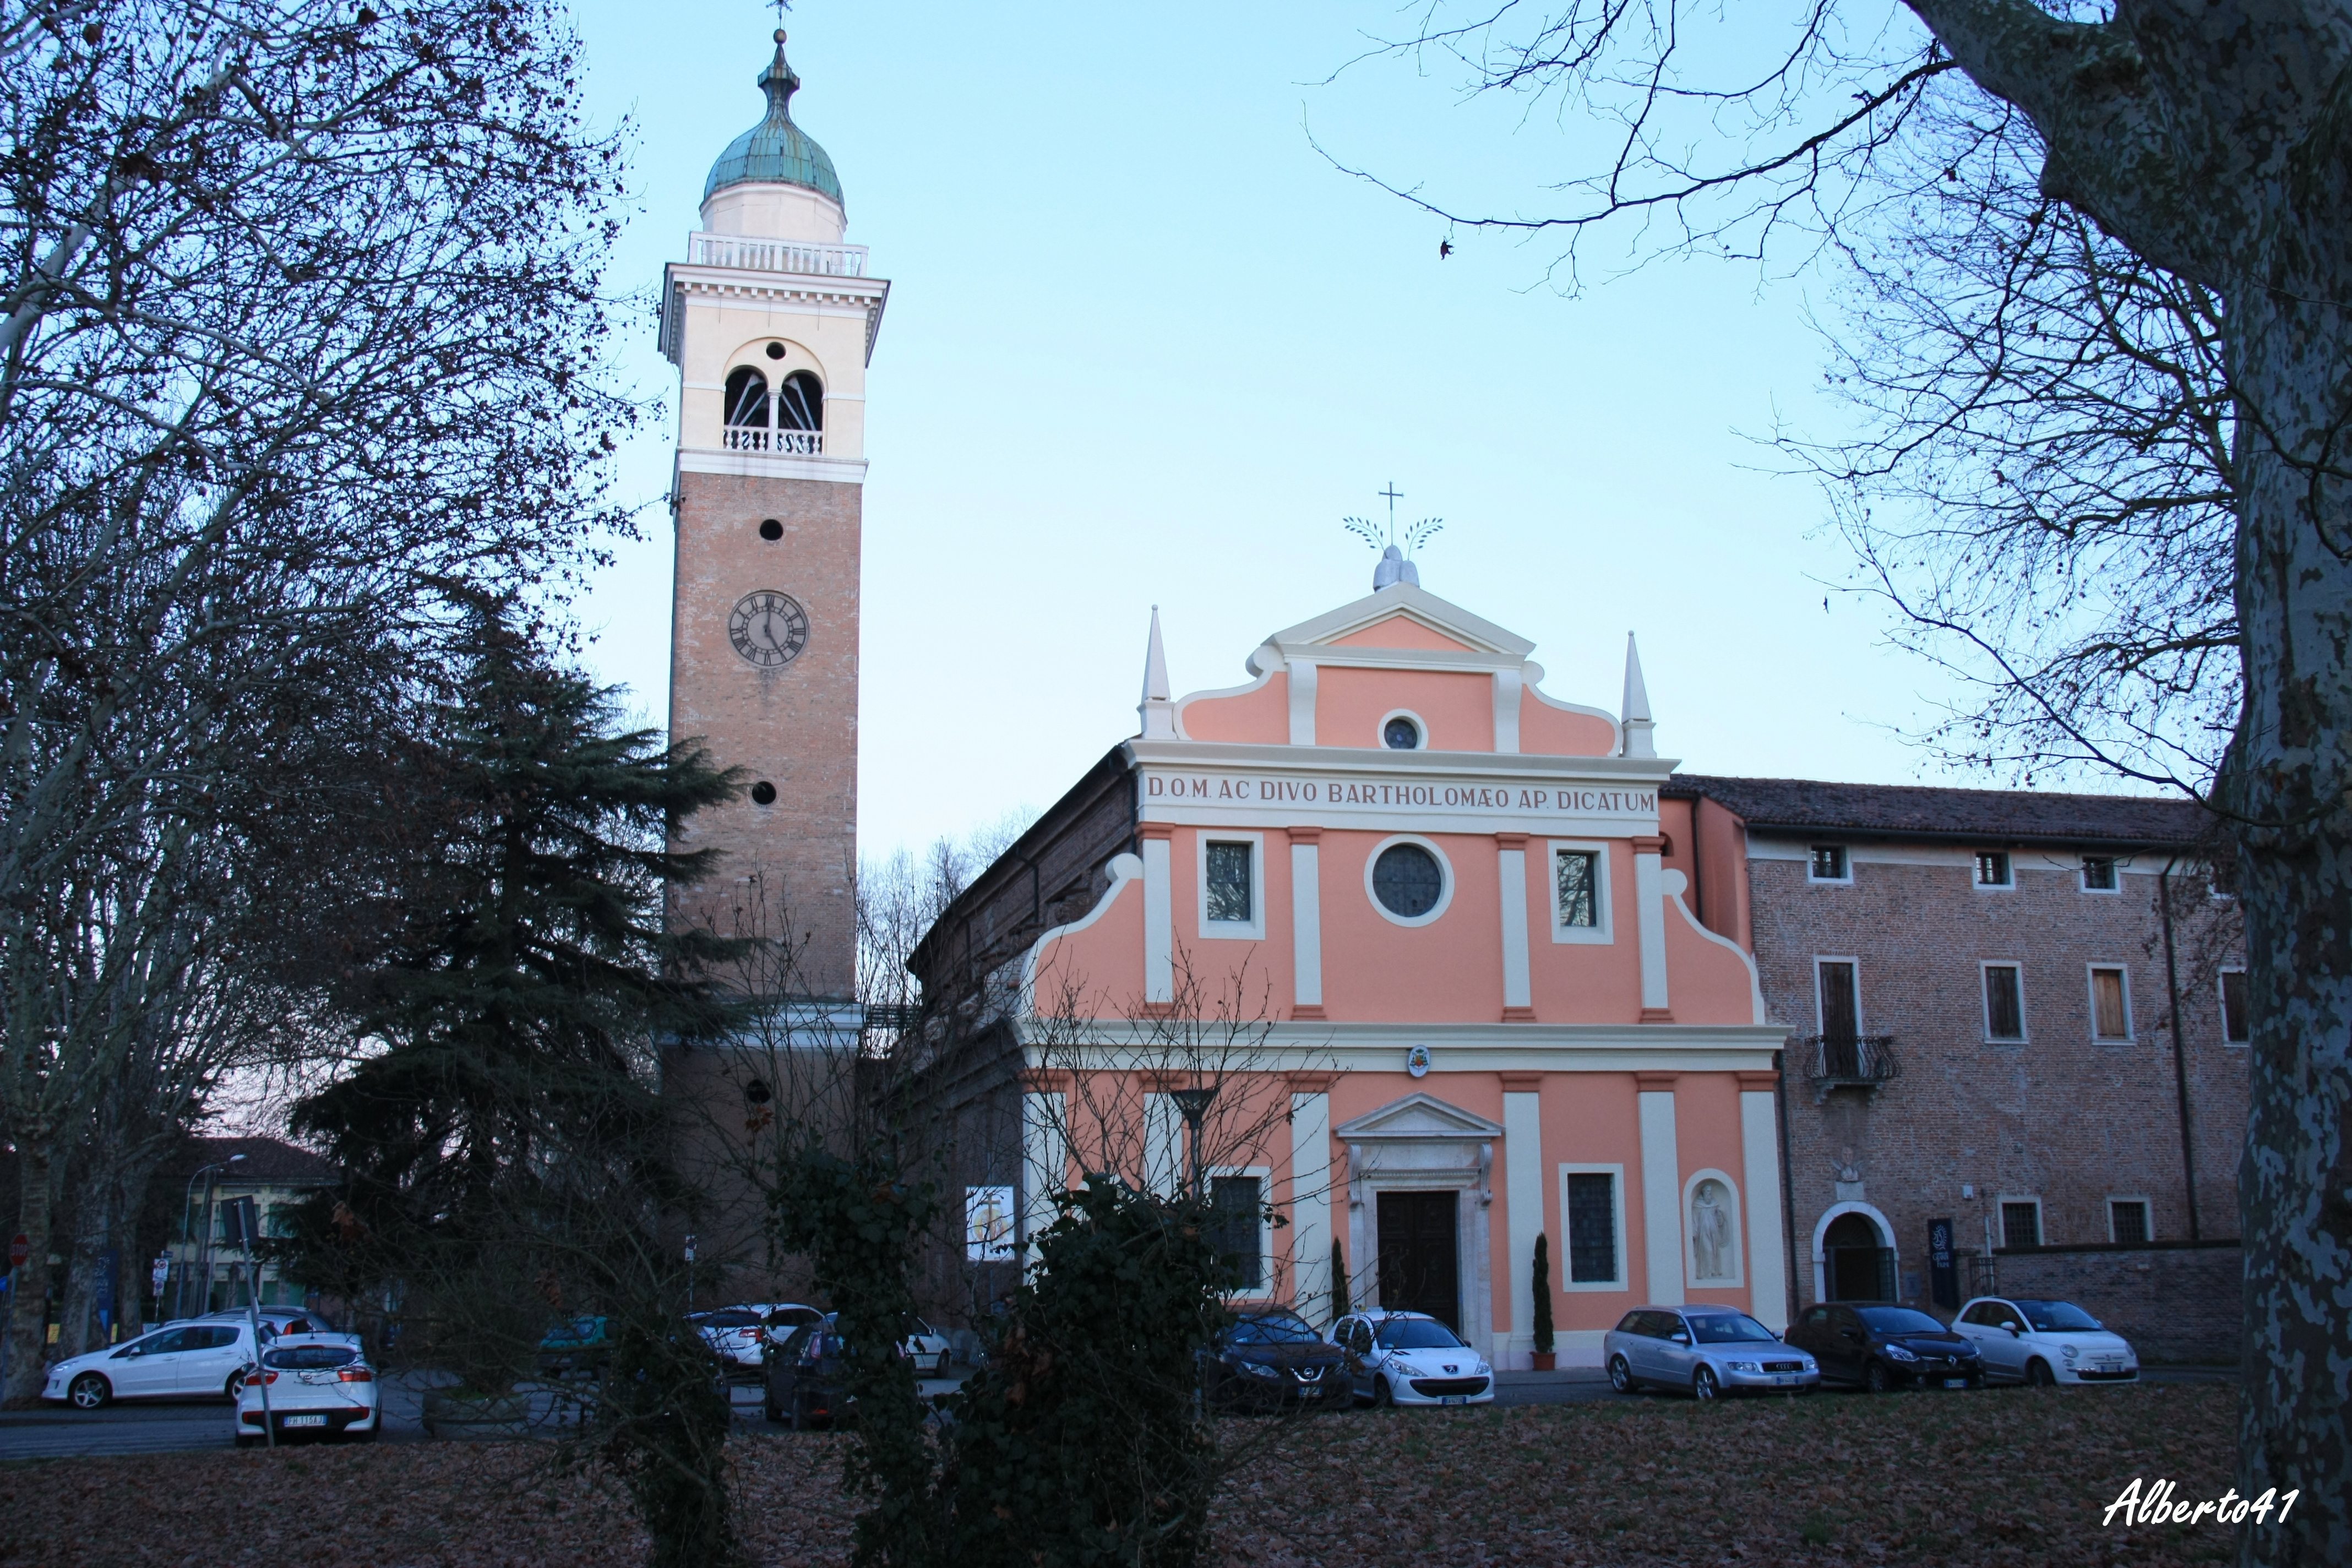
x=805, y=1379
x=1266, y=1361
x=1880, y=1348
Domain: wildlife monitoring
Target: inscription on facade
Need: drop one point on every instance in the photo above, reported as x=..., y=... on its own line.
x=1200, y=789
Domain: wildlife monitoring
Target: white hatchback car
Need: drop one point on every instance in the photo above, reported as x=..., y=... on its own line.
x=316, y=1387
x=205, y=1359
x=1411, y=1358
x=2032, y=1341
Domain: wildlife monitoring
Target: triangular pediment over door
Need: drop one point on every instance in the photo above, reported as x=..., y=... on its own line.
x=1416, y=1118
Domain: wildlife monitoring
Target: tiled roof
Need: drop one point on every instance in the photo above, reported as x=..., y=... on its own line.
x=1930, y=812
x=266, y=1160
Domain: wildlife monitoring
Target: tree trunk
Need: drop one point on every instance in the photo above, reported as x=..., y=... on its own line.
x=2287, y=780
x=87, y=1224
x=133, y=1294
x=29, y=1299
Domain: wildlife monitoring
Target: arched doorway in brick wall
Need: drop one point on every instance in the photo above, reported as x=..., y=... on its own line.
x=1854, y=1256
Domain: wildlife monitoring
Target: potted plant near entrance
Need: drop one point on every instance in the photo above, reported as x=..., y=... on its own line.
x=1546, y=1358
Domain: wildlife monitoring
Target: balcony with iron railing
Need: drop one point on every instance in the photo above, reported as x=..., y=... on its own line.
x=786, y=443
x=776, y=255
x=1848, y=1061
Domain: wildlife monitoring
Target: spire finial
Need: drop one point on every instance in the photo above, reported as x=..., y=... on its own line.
x=1636, y=712
x=1158, y=712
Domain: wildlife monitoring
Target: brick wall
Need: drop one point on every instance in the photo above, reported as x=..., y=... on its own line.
x=2174, y=1304
x=2060, y=1118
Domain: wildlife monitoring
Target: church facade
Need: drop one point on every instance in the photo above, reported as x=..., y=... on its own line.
x=1425, y=932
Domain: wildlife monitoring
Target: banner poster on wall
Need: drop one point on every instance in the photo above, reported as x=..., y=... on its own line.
x=988, y=1225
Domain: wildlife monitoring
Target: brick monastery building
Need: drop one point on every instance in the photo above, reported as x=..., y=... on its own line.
x=1466, y=961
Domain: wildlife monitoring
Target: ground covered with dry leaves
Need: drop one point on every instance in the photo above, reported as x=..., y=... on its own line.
x=2000, y=1477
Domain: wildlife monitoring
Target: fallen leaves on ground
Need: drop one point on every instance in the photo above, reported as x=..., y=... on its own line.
x=1980, y=1480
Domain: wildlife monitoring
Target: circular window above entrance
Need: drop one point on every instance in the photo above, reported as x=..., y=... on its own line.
x=1408, y=881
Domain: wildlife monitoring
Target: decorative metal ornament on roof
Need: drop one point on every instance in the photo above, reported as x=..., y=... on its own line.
x=775, y=151
x=1396, y=564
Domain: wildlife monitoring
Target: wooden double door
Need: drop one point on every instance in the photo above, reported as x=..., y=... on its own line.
x=1420, y=1254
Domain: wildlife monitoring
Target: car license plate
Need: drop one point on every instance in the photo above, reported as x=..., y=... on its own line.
x=302, y=1421
x=1453, y=1399
x=1956, y=1382
x=1786, y=1377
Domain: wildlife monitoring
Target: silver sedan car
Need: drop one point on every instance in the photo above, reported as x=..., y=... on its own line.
x=1705, y=1351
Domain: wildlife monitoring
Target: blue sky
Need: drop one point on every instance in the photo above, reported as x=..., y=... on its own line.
x=1146, y=345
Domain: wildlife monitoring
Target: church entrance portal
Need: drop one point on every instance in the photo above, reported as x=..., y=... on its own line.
x=1420, y=1260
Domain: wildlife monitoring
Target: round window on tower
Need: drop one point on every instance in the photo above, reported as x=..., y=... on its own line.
x=1409, y=883
x=775, y=350
x=770, y=530
x=763, y=794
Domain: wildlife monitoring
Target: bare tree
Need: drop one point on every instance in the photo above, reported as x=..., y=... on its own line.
x=2044, y=480
x=299, y=325
x=2206, y=140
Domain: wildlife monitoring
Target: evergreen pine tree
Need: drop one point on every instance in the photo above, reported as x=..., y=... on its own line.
x=1341, y=1304
x=1543, y=1294
x=514, y=1010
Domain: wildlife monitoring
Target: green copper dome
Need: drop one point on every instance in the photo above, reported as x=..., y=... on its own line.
x=775, y=151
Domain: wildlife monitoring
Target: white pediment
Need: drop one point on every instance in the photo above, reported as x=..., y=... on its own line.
x=1419, y=1117
x=1413, y=604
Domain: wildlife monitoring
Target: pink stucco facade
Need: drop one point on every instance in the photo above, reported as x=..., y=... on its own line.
x=1457, y=937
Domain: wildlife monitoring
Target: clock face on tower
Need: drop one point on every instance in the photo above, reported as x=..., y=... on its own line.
x=768, y=628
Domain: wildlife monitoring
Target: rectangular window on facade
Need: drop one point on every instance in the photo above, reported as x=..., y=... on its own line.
x=1237, y=1204
x=2098, y=873
x=2004, y=1002
x=1829, y=863
x=1233, y=897
x=2237, y=1024
x=2127, y=1221
x=1592, y=1227
x=2110, y=1005
x=1993, y=868
x=2021, y=1224
x=1577, y=872
x=1840, y=1000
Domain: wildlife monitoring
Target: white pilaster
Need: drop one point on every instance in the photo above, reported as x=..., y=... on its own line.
x=1523, y=1192
x=1165, y=1169
x=1307, y=923
x=1767, y=1274
x=1508, y=685
x=1044, y=1163
x=1159, y=924
x=1662, y=1198
x=1302, y=703
x=1513, y=862
x=1650, y=919
x=1310, y=1204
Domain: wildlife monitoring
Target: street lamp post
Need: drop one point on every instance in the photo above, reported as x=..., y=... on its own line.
x=204, y=1242
x=1193, y=1105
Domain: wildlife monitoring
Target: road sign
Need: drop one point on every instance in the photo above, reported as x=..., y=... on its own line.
x=161, y=1272
x=20, y=1249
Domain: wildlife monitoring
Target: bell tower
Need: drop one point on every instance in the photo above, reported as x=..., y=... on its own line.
x=771, y=320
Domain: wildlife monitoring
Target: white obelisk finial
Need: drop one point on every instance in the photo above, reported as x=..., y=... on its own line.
x=1158, y=712
x=1635, y=713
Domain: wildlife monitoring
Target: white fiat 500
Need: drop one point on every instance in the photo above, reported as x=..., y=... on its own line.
x=316, y=1388
x=1411, y=1358
x=2039, y=1342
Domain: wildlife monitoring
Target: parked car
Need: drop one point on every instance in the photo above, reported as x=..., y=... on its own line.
x=1705, y=1352
x=202, y=1359
x=927, y=1350
x=577, y=1346
x=735, y=1335
x=317, y=1386
x=804, y=1382
x=1411, y=1358
x=279, y=1320
x=1879, y=1348
x=2038, y=1341
x=778, y=1319
x=1266, y=1361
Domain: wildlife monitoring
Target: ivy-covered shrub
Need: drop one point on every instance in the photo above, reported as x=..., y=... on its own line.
x=1082, y=1443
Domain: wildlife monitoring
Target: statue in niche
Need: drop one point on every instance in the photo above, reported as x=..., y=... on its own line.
x=1710, y=1221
